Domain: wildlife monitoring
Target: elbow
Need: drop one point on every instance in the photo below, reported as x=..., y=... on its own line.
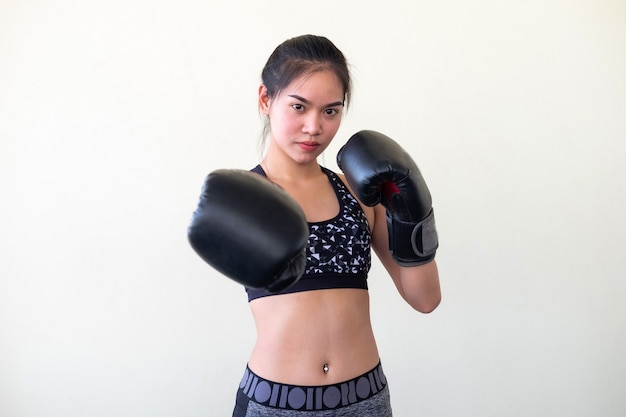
x=426, y=306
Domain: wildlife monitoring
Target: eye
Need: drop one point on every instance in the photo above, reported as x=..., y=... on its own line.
x=331, y=112
x=298, y=107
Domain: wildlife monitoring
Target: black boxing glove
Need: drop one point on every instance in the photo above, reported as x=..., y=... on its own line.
x=380, y=171
x=250, y=229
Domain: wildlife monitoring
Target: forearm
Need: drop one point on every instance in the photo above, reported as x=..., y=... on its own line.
x=419, y=286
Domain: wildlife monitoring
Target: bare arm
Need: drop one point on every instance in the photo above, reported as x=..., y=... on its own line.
x=418, y=285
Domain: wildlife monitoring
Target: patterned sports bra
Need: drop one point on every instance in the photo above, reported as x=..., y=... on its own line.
x=338, y=254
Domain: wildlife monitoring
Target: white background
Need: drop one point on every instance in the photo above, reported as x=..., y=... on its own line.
x=112, y=112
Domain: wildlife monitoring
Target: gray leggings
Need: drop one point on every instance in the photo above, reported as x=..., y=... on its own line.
x=363, y=396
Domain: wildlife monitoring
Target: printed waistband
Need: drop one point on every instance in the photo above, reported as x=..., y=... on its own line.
x=323, y=397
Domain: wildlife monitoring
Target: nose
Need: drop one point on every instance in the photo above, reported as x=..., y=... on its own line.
x=312, y=125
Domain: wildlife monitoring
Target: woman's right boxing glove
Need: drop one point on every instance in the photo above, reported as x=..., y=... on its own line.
x=249, y=229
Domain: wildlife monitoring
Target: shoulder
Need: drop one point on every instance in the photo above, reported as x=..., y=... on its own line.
x=369, y=211
x=344, y=181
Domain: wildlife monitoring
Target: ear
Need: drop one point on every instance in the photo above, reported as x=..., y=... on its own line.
x=264, y=100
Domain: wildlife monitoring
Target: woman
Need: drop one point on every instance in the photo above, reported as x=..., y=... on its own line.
x=315, y=352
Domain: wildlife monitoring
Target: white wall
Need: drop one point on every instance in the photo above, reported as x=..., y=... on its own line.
x=112, y=112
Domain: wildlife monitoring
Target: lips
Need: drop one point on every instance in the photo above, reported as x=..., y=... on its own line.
x=308, y=145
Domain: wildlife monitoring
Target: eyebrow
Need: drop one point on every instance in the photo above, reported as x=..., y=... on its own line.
x=305, y=101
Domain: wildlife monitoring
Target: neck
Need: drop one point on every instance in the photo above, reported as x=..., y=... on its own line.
x=281, y=167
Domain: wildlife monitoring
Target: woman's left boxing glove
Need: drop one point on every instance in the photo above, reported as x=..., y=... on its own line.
x=380, y=171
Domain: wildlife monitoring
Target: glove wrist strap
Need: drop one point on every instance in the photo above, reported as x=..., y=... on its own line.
x=413, y=243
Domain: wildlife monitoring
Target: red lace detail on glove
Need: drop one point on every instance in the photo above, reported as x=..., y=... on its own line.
x=388, y=189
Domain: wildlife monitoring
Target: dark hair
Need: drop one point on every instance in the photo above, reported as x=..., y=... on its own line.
x=303, y=55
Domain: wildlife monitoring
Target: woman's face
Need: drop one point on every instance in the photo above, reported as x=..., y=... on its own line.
x=305, y=116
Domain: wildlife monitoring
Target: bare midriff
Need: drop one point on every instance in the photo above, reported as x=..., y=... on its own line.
x=313, y=338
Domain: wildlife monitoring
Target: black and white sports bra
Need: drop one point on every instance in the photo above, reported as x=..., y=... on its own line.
x=338, y=253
